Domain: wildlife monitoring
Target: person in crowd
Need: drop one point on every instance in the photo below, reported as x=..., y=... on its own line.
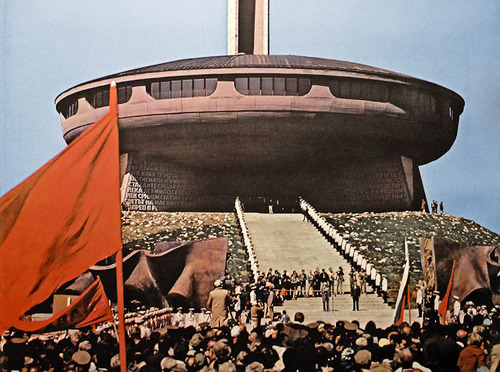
x=340, y=280
x=309, y=283
x=384, y=287
x=355, y=293
x=218, y=302
x=473, y=356
x=256, y=314
x=325, y=295
x=362, y=281
x=423, y=206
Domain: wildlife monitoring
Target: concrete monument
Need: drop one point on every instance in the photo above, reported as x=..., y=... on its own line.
x=196, y=133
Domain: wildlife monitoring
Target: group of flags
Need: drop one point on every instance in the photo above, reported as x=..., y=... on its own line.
x=60, y=221
x=404, y=295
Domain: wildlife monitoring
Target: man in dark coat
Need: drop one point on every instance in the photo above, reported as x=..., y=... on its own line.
x=355, y=293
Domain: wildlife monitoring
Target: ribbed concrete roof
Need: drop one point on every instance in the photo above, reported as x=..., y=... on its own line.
x=257, y=61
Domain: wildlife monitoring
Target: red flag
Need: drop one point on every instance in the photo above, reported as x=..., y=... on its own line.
x=443, y=306
x=91, y=307
x=62, y=219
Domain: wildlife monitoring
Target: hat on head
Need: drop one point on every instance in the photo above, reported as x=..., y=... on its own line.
x=363, y=357
x=196, y=339
x=235, y=331
x=455, y=297
x=361, y=341
x=200, y=359
x=217, y=283
x=168, y=363
x=85, y=345
x=350, y=326
x=383, y=342
x=81, y=358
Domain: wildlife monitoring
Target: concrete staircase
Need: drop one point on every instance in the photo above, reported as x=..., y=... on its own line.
x=287, y=242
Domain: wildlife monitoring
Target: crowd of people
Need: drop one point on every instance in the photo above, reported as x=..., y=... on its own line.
x=240, y=331
x=291, y=346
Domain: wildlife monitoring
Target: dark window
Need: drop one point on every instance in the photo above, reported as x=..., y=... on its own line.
x=254, y=86
x=211, y=85
x=272, y=86
x=267, y=86
x=359, y=89
x=124, y=94
x=345, y=89
x=241, y=85
x=176, y=89
x=72, y=109
x=335, y=88
x=155, y=90
x=198, y=87
x=185, y=88
x=68, y=107
x=100, y=97
x=304, y=86
x=291, y=86
x=164, y=90
x=356, y=90
x=279, y=86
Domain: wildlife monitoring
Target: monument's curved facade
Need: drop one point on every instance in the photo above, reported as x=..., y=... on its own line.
x=196, y=133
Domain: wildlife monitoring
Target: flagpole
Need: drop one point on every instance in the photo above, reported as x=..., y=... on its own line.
x=113, y=105
x=121, y=311
x=409, y=304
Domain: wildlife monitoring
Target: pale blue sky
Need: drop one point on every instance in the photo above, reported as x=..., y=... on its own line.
x=49, y=46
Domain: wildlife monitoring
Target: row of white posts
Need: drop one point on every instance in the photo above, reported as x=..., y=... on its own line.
x=252, y=257
x=344, y=246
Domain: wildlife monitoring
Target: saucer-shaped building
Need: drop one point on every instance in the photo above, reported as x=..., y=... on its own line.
x=196, y=133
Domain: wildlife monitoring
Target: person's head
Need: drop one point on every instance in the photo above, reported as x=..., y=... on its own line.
x=254, y=367
x=299, y=317
x=406, y=358
x=363, y=358
x=474, y=339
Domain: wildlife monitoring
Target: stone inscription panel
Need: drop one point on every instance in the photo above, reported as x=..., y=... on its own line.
x=355, y=186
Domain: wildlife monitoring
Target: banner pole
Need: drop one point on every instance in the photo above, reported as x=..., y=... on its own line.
x=121, y=311
x=409, y=304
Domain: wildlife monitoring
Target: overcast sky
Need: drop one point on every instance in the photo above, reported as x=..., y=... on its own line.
x=51, y=45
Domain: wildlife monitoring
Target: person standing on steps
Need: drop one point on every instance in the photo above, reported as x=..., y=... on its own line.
x=325, y=296
x=355, y=293
x=340, y=280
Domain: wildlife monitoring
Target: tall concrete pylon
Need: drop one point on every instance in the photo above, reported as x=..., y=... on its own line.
x=248, y=27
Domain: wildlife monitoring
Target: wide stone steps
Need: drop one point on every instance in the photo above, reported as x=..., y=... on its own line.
x=371, y=307
x=287, y=242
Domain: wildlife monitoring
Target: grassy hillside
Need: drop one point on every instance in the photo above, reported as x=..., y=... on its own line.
x=380, y=236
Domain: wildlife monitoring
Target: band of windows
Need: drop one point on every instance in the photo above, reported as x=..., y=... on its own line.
x=406, y=97
x=100, y=97
x=69, y=109
x=272, y=86
x=358, y=89
x=184, y=88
